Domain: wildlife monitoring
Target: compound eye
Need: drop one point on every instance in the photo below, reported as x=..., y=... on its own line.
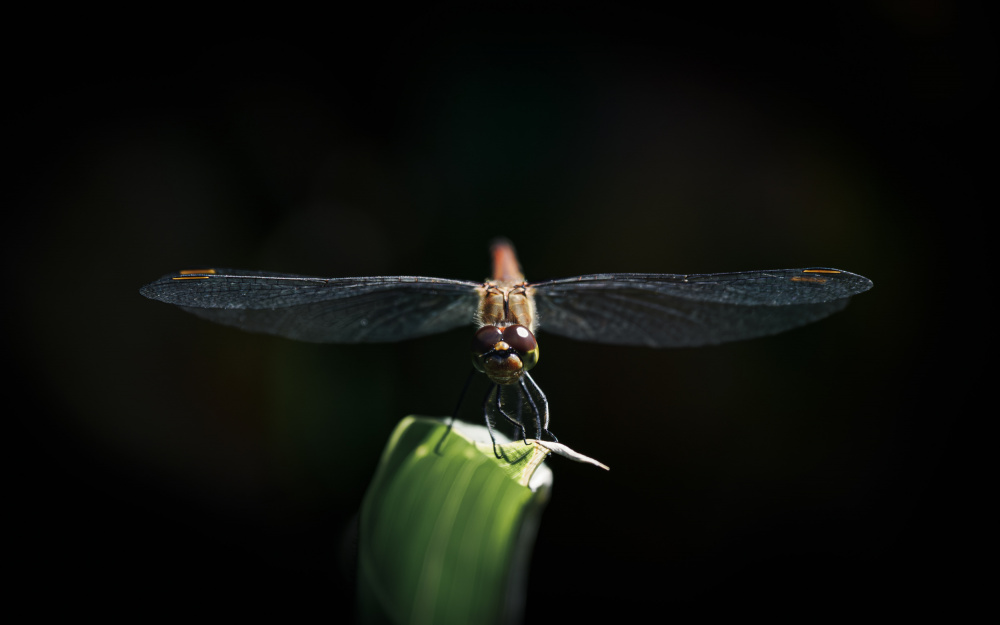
x=485, y=338
x=483, y=343
x=523, y=342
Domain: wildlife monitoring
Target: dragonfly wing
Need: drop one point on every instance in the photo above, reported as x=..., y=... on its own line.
x=321, y=310
x=666, y=310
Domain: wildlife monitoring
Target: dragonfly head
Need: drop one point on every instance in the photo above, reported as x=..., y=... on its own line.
x=504, y=354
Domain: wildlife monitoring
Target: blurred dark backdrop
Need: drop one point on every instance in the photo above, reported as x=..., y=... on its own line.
x=160, y=457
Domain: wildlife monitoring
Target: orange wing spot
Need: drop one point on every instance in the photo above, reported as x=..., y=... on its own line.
x=820, y=271
x=814, y=280
x=190, y=278
x=186, y=272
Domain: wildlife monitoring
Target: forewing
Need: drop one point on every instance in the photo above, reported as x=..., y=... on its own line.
x=666, y=310
x=321, y=310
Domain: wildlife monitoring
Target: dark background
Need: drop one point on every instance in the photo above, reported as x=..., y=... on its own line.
x=158, y=457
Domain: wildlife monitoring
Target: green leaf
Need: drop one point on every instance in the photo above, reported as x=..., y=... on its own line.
x=446, y=528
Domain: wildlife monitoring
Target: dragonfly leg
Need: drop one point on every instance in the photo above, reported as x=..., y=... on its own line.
x=486, y=414
x=534, y=409
x=541, y=424
x=461, y=396
x=520, y=412
x=519, y=430
x=454, y=414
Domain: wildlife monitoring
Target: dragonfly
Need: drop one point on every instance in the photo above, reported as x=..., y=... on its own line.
x=641, y=309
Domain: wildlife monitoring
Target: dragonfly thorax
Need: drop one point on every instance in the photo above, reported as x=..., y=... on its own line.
x=505, y=304
x=504, y=355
